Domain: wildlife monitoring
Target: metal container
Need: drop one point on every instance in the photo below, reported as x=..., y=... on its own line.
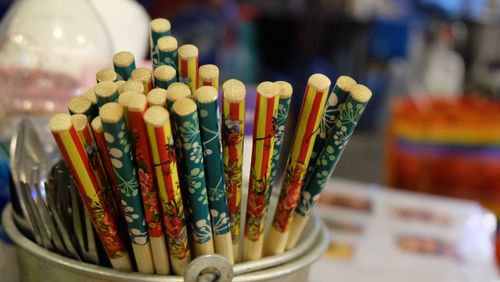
x=39, y=264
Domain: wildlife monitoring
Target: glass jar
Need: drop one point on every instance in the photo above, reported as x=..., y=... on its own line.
x=44, y=47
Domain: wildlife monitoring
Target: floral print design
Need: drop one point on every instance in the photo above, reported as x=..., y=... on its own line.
x=194, y=173
x=175, y=229
x=281, y=118
x=343, y=129
x=289, y=196
x=107, y=229
x=256, y=206
x=331, y=112
x=168, y=58
x=214, y=168
x=149, y=192
x=116, y=136
x=233, y=140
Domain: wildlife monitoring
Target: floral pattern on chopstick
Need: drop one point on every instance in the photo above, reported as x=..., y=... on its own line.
x=256, y=206
x=173, y=218
x=119, y=148
x=344, y=126
x=105, y=226
x=194, y=174
x=232, y=137
x=289, y=196
x=149, y=191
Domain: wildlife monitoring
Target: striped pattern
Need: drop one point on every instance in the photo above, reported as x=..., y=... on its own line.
x=208, y=76
x=281, y=119
x=89, y=144
x=263, y=145
x=74, y=154
x=188, y=72
x=305, y=135
x=328, y=159
x=148, y=188
x=232, y=142
x=214, y=83
x=106, y=160
x=167, y=179
x=265, y=113
x=335, y=102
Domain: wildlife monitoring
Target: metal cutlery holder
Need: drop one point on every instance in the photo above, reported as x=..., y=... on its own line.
x=39, y=264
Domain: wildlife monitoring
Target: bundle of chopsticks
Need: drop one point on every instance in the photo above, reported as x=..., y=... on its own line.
x=150, y=155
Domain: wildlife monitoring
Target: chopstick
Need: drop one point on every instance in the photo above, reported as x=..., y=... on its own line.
x=175, y=170
x=267, y=100
x=160, y=139
x=79, y=164
x=233, y=132
x=120, y=151
x=208, y=113
x=303, y=141
x=149, y=190
x=350, y=113
x=187, y=127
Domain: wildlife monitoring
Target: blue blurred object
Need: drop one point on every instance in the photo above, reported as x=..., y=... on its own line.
x=4, y=6
x=389, y=39
x=200, y=27
x=4, y=177
x=4, y=186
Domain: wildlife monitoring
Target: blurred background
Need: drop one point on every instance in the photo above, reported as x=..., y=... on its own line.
x=433, y=125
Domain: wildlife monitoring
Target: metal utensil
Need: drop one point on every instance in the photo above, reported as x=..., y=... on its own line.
x=18, y=154
x=38, y=193
x=56, y=210
x=74, y=214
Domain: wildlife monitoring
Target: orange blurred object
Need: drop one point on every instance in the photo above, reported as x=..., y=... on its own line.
x=448, y=147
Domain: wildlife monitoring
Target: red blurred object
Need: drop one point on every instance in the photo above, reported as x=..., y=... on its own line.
x=446, y=147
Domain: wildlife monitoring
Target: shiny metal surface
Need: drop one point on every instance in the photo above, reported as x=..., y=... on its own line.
x=38, y=264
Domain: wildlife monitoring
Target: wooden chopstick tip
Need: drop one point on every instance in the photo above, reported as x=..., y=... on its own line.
x=126, y=96
x=157, y=97
x=319, y=81
x=79, y=104
x=156, y=116
x=234, y=91
x=187, y=51
x=268, y=89
x=111, y=112
x=106, y=75
x=208, y=72
x=164, y=73
x=184, y=107
x=167, y=43
x=79, y=121
x=60, y=122
x=96, y=125
x=206, y=94
x=160, y=25
x=90, y=95
x=105, y=89
x=177, y=91
x=345, y=83
x=141, y=74
x=123, y=59
x=133, y=85
x=361, y=93
x=286, y=89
